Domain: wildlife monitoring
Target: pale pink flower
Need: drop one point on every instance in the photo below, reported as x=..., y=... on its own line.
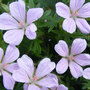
x=18, y=22
x=32, y=77
x=7, y=65
x=72, y=57
x=74, y=15
x=86, y=73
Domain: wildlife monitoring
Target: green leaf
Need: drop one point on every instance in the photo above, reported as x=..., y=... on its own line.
x=31, y=3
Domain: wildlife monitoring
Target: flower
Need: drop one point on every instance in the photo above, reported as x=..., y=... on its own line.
x=7, y=65
x=35, y=79
x=74, y=15
x=86, y=73
x=19, y=23
x=72, y=57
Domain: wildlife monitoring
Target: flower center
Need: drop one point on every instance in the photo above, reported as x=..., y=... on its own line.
x=2, y=65
x=71, y=57
x=34, y=78
x=21, y=24
x=75, y=13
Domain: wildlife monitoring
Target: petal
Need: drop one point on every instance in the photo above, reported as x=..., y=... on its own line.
x=85, y=11
x=30, y=31
x=75, y=70
x=62, y=66
x=17, y=10
x=20, y=76
x=61, y=48
x=1, y=54
x=69, y=25
x=8, y=81
x=7, y=22
x=45, y=67
x=26, y=63
x=62, y=10
x=83, y=59
x=34, y=14
x=33, y=87
x=25, y=87
x=83, y=25
x=12, y=53
x=76, y=4
x=86, y=73
x=62, y=87
x=78, y=46
x=11, y=67
x=49, y=81
x=44, y=88
x=13, y=37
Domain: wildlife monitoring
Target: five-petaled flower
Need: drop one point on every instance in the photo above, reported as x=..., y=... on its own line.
x=74, y=15
x=7, y=65
x=35, y=79
x=73, y=57
x=18, y=22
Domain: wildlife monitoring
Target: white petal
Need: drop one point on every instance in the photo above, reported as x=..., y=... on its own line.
x=8, y=22
x=83, y=59
x=62, y=66
x=75, y=70
x=44, y=67
x=8, y=81
x=20, y=76
x=30, y=31
x=33, y=87
x=85, y=11
x=62, y=10
x=83, y=25
x=49, y=81
x=78, y=46
x=69, y=25
x=86, y=73
x=76, y=4
x=17, y=10
x=12, y=53
x=26, y=63
x=62, y=48
x=13, y=37
x=25, y=87
x=1, y=54
x=62, y=87
x=34, y=14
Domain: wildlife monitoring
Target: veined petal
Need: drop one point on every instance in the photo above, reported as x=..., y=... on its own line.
x=33, y=87
x=76, y=4
x=17, y=10
x=62, y=10
x=7, y=22
x=62, y=48
x=62, y=87
x=26, y=63
x=69, y=25
x=49, y=81
x=44, y=67
x=30, y=31
x=82, y=59
x=20, y=76
x=12, y=53
x=13, y=37
x=34, y=14
x=62, y=66
x=78, y=46
x=8, y=81
x=1, y=54
x=75, y=70
x=83, y=25
x=11, y=67
x=86, y=73
x=84, y=11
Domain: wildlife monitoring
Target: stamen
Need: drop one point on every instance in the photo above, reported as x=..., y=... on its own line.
x=71, y=58
x=34, y=78
x=21, y=23
x=4, y=65
x=75, y=13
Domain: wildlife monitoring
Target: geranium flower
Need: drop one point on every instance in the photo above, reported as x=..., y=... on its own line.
x=35, y=79
x=7, y=65
x=74, y=15
x=18, y=22
x=72, y=57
